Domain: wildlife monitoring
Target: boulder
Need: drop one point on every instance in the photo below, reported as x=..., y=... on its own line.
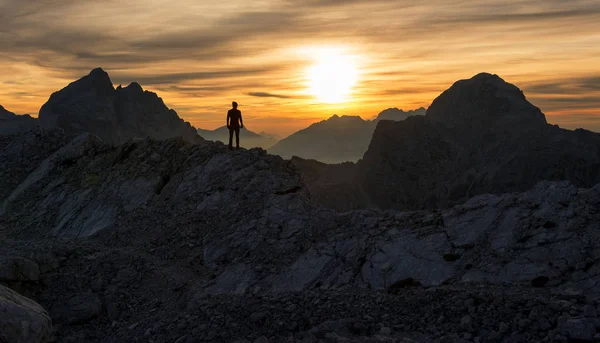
x=22, y=320
x=18, y=269
x=79, y=309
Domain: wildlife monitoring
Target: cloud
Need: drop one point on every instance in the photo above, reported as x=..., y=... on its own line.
x=569, y=86
x=174, y=78
x=268, y=95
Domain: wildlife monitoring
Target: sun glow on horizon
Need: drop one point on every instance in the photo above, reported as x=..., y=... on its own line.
x=332, y=76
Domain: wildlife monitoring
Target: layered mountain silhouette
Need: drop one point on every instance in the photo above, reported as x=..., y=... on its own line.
x=480, y=136
x=13, y=123
x=337, y=139
x=399, y=114
x=92, y=104
x=248, y=139
x=231, y=246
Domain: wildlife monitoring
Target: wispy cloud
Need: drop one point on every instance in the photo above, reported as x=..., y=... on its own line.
x=268, y=95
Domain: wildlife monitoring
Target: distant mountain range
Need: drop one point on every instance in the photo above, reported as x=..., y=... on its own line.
x=337, y=139
x=248, y=139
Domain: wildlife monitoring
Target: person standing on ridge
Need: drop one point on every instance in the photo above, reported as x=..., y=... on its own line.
x=234, y=123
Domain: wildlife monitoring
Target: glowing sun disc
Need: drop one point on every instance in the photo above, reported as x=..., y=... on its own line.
x=332, y=76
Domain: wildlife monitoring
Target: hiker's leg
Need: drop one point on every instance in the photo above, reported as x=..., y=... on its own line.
x=237, y=137
x=230, y=137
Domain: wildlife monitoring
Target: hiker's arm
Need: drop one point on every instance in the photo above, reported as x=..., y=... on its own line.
x=241, y=121
x=227, y=119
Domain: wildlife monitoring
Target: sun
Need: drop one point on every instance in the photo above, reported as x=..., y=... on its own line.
x=332, y=76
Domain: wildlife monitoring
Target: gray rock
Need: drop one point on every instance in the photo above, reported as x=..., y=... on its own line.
x=18, y=269
x=261, y=339
x=386, y=331
x=79, y=309
x=22, y=320
x=577, y=328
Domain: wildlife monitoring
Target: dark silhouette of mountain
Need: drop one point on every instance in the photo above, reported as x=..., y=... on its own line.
x=399, y=114
x=480, y=136
x=13, y=123
x=93, y=105
x=337, y=139
x=248, y=139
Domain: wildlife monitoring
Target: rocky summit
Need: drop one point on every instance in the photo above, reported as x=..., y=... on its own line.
x=480, y=136
x=168, y=241
x=92, y=104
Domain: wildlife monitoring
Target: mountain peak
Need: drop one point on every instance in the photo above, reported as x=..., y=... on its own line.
x=4, y=113
x=136, y=87
x=346, y=118
x=98, y=71
x=398, y=114
x=482, y=100
x=92, y=104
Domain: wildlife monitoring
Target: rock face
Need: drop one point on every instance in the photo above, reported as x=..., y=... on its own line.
x=337, y=139
x=480, y=136
x=93, y=105
x=13, y=123
x=167, y=239
x=248, y=139
x=22, y=153
x=22, y=320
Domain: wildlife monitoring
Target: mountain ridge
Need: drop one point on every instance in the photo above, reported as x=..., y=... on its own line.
x=336, y=139
x=479, y=136
x=92, y=104
x=15, y=123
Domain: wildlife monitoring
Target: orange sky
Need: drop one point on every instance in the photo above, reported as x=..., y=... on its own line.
x=200, y=55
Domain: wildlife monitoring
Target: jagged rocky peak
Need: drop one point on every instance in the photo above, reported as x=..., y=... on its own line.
x=483, y=100
x=399, y=114
x=343, y=116
x=99, y=80
x=92, y=104
x=135, y=87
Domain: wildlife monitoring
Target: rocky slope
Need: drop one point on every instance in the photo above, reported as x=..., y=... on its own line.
x=480, y=136
x=248, y=139
x=13, y=123
x=169, y=241
x=92, y=104
x=337, y=139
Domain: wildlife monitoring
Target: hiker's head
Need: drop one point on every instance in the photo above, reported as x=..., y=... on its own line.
x=234, y=104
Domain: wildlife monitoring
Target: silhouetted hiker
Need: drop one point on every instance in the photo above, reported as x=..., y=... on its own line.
x=234, y=123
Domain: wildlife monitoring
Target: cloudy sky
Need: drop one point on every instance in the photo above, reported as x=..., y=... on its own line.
x=200, y=55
